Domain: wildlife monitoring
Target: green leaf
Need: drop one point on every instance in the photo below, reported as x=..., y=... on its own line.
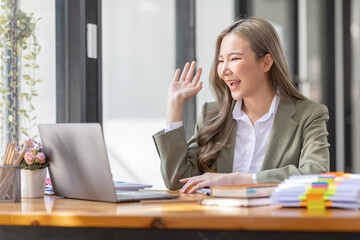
x=29, y=57
x=11, y=118
x=36, y=136
x=26, y=77
x=22, y=26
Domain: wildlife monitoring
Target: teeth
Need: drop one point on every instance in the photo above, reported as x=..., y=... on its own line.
x=231, y=82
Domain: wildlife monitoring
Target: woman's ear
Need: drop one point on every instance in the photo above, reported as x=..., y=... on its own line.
x=268, y=62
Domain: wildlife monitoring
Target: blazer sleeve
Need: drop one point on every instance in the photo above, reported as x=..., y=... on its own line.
x=178, y=157
x=314, y=149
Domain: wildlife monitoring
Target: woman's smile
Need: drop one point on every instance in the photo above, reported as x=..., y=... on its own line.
x=233, y=84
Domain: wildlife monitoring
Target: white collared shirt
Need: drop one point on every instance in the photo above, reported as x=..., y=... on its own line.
x=252, y=140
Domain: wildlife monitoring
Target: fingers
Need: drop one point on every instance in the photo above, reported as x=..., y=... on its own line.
x=191, y=71
x=185, y=71
x=184, y=180
x=188, y=184
x=186, y=187
x=188, y=72
x=192, y=184
x=176, y=75
x=195, y=81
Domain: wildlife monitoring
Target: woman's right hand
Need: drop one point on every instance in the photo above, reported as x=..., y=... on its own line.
x=181, y=90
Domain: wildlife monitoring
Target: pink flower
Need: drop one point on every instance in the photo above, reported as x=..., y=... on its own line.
x=33, y=150
x=29, y=158
x=29, y=142
x=40, y=157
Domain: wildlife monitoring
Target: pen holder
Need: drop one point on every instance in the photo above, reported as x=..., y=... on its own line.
x=10, y=189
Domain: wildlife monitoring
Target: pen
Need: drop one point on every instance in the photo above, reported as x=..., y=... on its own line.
x=204, y=191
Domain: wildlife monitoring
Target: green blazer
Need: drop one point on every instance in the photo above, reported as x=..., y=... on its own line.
x=297, y=145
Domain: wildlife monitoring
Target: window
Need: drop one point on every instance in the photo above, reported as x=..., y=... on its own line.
x=36, y=68
x=45, y=31
x=355, y=76
x=206, y=39
x=138, y=64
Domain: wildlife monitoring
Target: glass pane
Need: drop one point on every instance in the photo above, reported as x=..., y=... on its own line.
x=355, y=45
x=36, y=64
x=207, y=30
x=312, y=65
x=280, y=20
x=138, y=38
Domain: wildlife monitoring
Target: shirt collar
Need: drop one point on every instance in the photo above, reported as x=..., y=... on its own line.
x=238, y=113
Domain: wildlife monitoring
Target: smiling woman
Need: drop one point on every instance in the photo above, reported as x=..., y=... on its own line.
x=260, y=129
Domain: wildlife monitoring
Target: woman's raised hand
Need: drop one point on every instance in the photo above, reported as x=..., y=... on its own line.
x=188, y=85
x=181, y=89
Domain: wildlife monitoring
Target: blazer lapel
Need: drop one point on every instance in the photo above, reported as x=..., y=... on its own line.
x=226, y=156
x=281, y=134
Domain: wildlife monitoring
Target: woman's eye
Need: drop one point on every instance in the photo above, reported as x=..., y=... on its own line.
x=220, y=61
x=234, y=59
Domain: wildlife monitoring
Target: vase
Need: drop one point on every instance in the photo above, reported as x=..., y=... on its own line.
x=33, y=183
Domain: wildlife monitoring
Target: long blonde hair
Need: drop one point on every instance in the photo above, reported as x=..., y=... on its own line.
x=219, y=127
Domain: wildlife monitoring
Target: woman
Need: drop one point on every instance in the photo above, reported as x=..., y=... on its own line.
x=260, y=129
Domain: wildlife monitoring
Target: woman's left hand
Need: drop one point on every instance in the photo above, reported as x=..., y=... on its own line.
x=192, y=184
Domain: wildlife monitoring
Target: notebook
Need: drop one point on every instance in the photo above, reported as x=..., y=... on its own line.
x=79, y=166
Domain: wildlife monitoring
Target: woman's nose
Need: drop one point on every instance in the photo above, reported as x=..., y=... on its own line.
x=224, y=69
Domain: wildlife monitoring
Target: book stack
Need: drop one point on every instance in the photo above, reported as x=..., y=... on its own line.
x=339, y=190
x=240, y=195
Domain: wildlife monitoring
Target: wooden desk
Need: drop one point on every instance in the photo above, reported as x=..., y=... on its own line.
x=58, y=218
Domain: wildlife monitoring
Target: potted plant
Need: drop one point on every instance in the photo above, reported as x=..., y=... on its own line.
x=33, y=168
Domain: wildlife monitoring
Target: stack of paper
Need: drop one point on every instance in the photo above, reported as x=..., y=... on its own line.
x=319, y=191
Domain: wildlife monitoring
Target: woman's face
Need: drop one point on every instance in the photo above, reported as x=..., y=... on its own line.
x=238, y=67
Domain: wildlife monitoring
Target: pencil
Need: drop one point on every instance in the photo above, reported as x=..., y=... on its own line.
x=21, y=155
x=6, y=154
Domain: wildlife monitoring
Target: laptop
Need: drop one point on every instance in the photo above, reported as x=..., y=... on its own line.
x=79, y=166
